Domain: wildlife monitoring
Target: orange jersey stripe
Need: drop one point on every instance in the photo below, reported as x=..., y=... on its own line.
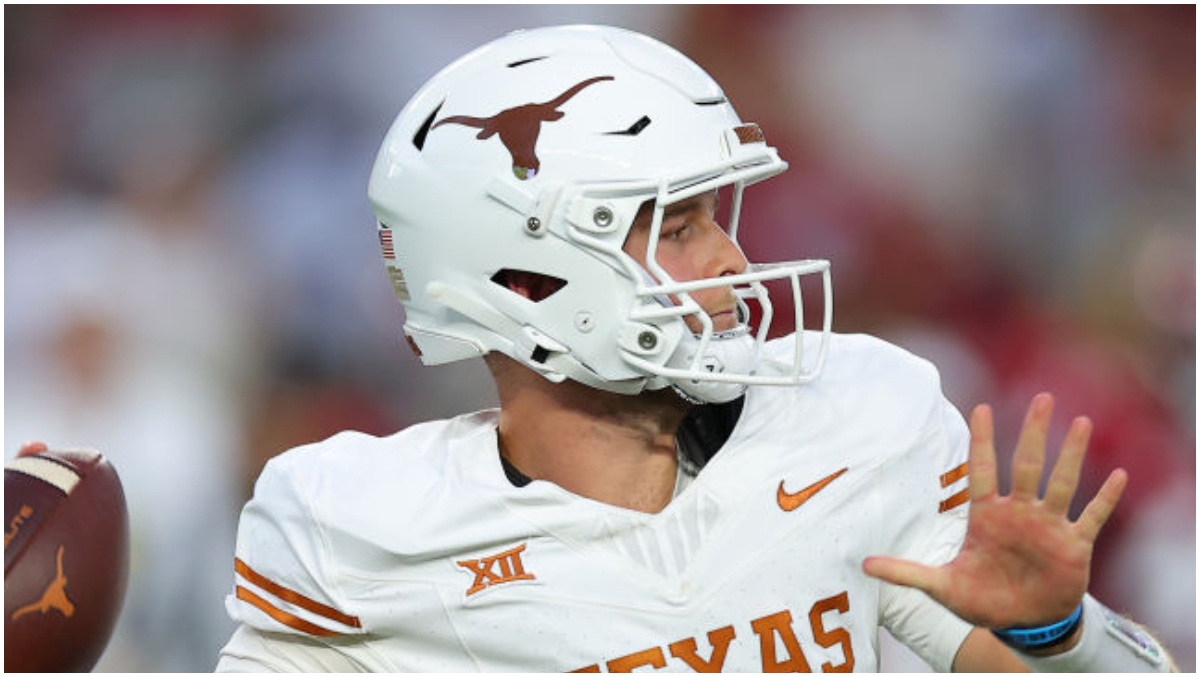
x=955, y=500
x=954, y=475
x=293, y=597
x=282, y=616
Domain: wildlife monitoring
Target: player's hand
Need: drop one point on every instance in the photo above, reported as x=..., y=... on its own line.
x=1024, y=562
x=31, y=448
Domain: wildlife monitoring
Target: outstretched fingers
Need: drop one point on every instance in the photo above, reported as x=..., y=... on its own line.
x=1064, y=479
x=1101, y=507
x=1030, y=456
x=982, y=459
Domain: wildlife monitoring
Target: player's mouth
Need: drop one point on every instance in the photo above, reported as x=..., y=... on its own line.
x=724, y=320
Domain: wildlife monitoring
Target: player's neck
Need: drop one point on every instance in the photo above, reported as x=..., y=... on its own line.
x=611, y=448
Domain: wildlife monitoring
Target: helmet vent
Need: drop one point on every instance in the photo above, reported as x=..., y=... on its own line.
x=419, y=137
x=522, y=62
x=634, y=129
x=536, y=287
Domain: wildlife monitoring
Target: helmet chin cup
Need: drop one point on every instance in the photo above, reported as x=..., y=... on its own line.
x=731, y=352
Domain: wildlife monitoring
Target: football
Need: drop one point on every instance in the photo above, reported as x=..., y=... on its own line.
x=66, y=559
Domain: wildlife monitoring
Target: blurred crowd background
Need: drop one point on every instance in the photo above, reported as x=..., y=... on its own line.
x=193, y=285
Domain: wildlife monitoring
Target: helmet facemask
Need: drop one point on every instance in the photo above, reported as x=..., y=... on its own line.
x=668, y=333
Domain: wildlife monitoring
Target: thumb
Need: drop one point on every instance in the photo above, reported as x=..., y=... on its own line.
x=902, y=572
x=31, y=448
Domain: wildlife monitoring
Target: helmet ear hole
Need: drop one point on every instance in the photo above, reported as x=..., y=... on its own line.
x=534, y=286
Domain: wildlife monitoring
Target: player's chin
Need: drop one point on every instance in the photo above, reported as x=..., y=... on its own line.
x=721, y=322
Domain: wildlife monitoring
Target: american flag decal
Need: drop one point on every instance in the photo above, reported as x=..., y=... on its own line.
x=385, y=241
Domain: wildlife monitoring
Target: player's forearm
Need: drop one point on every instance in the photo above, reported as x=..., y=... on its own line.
x=982, y=652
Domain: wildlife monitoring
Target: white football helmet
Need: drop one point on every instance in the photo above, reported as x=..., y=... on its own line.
x=533, y=153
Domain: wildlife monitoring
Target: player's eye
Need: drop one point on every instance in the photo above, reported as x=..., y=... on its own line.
x=675, y=229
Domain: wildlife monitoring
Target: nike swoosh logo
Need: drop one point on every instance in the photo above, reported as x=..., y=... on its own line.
x=790, y=502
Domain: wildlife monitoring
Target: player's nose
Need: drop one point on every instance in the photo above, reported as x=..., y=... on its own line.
x=726, y=257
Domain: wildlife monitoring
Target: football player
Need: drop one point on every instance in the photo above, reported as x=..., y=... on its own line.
x=663, y=486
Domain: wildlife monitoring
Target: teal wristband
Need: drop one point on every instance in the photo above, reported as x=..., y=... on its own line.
x=1041, y=637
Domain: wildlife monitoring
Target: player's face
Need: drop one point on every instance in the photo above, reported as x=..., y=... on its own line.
x=693, y=245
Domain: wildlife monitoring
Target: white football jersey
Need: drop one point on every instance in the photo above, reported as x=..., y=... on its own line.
x=414, y=552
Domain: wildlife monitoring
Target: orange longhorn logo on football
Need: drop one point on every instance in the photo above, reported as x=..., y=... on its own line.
x=772, y=631
x=54, y=597
x=17, y=522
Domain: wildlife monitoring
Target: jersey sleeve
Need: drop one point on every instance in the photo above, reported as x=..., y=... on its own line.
x=252, y=650
x=932, y=476
x=930, y=530
x=285, y=592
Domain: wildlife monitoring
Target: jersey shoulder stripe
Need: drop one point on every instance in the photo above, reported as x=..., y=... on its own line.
x=290, y=620
x=961, y=496
x=289, y=607
x=953, y=475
